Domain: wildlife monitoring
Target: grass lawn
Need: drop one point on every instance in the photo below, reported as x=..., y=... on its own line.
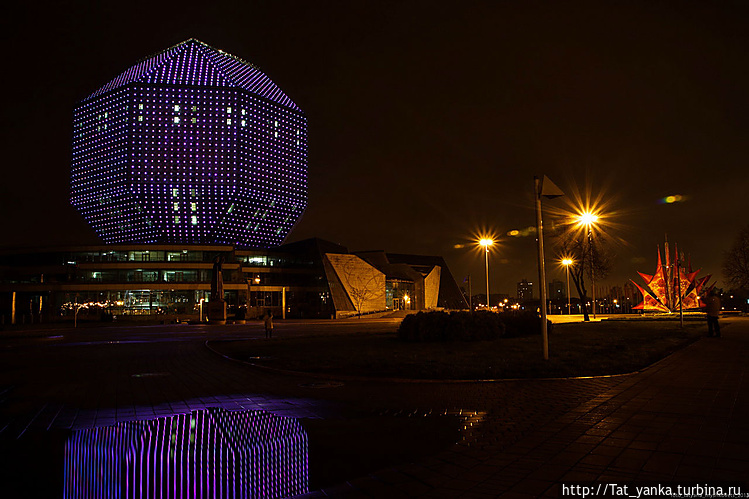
x=576, y=349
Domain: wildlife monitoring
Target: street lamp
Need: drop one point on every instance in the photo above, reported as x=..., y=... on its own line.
x=589, y=219
x=256, y=280
x=567, y=262
x=485, y=243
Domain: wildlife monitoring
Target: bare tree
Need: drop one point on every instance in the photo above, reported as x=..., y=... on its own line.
x=736, y=261
x=588, y=254
x=362, y=282
x=364, y=289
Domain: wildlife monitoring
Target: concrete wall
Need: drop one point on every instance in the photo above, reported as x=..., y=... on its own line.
x=364, y=285
x=432, y=287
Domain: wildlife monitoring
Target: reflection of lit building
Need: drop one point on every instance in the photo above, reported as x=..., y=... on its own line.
x=525, y=290
x=190, y=146
x=206, y=453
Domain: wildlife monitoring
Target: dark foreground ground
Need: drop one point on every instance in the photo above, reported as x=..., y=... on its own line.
x=684, y=419
x=576, y=349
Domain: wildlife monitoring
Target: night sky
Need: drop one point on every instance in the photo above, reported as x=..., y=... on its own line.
x=428, y=120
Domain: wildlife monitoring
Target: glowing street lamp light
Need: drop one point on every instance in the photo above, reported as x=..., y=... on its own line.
x=567, y=262
x=485, y=243
x=589, y=219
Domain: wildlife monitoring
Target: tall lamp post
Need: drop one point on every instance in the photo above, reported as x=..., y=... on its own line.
x=485, y=243
x=588, y=219
x=543, y=188
x=567, y=262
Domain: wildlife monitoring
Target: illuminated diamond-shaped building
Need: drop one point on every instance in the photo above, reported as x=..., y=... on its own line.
x=191, y=146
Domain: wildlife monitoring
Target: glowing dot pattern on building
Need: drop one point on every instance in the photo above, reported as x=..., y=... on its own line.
x=208, y=453
x=192, y=145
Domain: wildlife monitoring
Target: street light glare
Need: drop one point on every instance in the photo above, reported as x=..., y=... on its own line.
x=567, y=261
x=485, y=242
x=588, y=218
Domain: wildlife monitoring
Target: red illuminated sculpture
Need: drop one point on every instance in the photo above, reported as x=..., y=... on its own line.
x=672, y=287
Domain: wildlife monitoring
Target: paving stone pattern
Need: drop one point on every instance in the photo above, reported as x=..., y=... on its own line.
x=684, y=419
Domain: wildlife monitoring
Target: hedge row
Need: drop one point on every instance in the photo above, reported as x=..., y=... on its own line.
x=467, y=326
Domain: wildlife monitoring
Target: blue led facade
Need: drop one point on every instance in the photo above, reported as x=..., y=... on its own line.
x=192, y=145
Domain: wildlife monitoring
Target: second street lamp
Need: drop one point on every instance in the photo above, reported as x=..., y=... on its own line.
x=567, y=262
x=485, y=243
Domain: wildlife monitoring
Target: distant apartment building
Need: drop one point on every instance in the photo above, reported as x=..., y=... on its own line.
x=557, y=290
x=525, y=290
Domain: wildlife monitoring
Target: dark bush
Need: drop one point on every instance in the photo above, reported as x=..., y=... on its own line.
x=487, y=325
x=523, y=323
x=456, y=326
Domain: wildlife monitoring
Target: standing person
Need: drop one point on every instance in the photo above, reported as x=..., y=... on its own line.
x=713, y=311
x=268, y=325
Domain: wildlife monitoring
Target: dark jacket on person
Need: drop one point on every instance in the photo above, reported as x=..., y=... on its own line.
x=713, y=306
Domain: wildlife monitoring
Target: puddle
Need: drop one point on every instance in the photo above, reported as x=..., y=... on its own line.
x=207, y=453
x=341, y=450
x=226, y=453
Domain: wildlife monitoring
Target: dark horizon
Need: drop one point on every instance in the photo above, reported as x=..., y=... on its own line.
x=428, y=121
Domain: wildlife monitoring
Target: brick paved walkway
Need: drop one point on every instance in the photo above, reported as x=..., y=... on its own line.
x=686, y=418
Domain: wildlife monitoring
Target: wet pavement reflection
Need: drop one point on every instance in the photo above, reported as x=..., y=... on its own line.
x=206, y=453
x=215, y=452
